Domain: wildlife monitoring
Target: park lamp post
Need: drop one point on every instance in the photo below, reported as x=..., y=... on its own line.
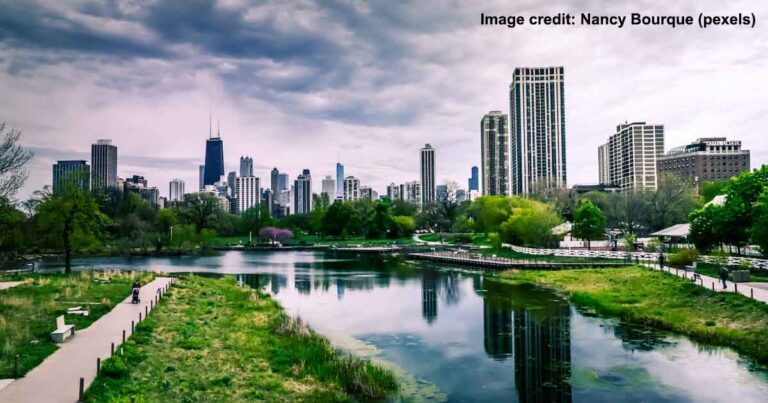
x=171, y=233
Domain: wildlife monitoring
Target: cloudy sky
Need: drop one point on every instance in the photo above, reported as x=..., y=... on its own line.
x=300, y=84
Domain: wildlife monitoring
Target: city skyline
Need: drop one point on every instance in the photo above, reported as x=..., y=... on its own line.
x=153, y=100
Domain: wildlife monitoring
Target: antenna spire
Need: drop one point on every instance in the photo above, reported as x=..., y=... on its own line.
x=218, y=127
x=210, y=124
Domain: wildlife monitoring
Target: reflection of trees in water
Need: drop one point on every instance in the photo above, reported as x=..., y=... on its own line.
x=636, y=338
x=340, y=286
x=277, y=282
x=255, y=281
x=429, y=279
x=450, y=284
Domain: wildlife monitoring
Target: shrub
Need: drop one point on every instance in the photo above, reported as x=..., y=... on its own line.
x=683, y=257
x=114, y=367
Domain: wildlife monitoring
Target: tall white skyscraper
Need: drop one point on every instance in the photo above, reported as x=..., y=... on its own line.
x=427, y=174
x=339, y=180
x=537, y=122
x=103, y=166
x=329, y=187
x=494, y=153
x=603, y=163
x=247, y=192
x=351, y=188
x=632, y=156
x=176, y=190
x=393, y=192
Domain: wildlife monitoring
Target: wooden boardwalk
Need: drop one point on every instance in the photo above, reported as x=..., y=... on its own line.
x=503, y=263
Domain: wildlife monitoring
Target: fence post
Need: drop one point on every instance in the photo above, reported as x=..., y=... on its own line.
x=16, y=368
x=123, y=336
x=713, y=286
x=139, y=316
x=752, y=293
x=98, y=365
x=133, y=326
x=82, y=389
x=112, y=350
x=736, y=287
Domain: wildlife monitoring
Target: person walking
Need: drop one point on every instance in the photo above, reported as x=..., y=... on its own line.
x=723, y=275
x=661, y=260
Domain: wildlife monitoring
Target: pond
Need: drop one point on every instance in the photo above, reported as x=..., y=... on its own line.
x=453, y=335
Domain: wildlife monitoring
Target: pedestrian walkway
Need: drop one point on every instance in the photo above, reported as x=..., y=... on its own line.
x=9, y=284
x=57, y=379
x=755, y=292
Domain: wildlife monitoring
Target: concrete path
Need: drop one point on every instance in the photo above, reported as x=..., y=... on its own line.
x=755, y=292
x=9, y=284
x=57, y=378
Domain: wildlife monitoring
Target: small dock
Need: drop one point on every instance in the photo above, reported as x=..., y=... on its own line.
x=502, y=263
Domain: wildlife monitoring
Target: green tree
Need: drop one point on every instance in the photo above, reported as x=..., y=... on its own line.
x=759, y=230
x=12, y=224
x=588, y=222
x=706, y=227
x=530, y=223
x=670, y=203
x=403, y=225
x=254, y=219
x=200, y=209
x=709, y=189
x=337, y=219
x=70, y=220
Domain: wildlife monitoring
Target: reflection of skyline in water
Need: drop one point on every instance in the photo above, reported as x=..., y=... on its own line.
x=490, y=341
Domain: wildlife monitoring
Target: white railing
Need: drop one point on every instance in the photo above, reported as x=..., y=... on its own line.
x=730, y=260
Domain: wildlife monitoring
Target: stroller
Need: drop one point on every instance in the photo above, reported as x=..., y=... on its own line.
x=135, y=294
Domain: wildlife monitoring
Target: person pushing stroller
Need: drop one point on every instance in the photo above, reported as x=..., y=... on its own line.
x=136, y=288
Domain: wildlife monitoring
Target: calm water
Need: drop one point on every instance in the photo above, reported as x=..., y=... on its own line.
x=457, y=336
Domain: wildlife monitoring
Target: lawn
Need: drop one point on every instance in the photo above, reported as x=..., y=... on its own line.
x=663, y=301
x=211, y=340
x=28, y=312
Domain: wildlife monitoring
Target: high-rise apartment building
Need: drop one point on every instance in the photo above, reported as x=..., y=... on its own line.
x=202, y=177
x=537, y=127
x=103, y=166
x=329, y=187
x=247, y=192
x=214, y=160
x=411, y=192
x=139, y=185
x=706, y=159
x=474, y=180
x=302, y=197
x=427, y=174
x=494, y=153
x=339, y=180
x=176, y=190
x=274, y=181
x=283, y=182
x=351, y=188
x=393, y=192
x=231, y=183
x=603, y=162
x=246, y=166
x=632, y=156
x=71, y=173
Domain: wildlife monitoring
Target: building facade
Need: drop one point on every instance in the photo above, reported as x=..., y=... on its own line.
x=176, y=190
x=71, y=173
x=537, y=127
x=329, y=187
x=427, y=174
x=246, y=166
x=474, y=180
x=603, y=163
x=411, y=192
x=274, y=176
x=494, y=153
x=351, y=188
x=214, y=161
x=706, y=159
x=339, y=181
x=247, y=192
x=202, y=178
x=103, y=166
x=393, y=192
x=302, y=197
x=632, y=156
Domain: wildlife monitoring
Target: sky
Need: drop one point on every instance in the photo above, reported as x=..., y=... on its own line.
x=304, y=84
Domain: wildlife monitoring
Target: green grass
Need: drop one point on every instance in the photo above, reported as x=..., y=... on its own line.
x=28, y=312
x=430, y=237
x=663, y=301
x=712, y=270
x=230, y=240
x=364, y=242
x=210, y=340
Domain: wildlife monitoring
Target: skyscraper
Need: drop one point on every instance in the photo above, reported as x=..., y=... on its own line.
x=246, y=166
x=427, y=174
x=214, y=160
x=339, y=180
x=302, y=198
x=494, y=153
x=632, y=156
x=274, y=181
x=70, y=173
x=176, y=190
x=537, y=121
x=103, y=166
x=329, y=187
x=393, y=192
x=474, y=180
x=248, y=192
x=202, y=177
x=411, y=192
x=283, y=181
x=231, y=177
x=351, y=188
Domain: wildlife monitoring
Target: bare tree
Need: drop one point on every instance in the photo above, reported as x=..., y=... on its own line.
x=12, y=160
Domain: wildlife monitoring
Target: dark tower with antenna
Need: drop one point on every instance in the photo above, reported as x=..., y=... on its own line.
x=214, y=157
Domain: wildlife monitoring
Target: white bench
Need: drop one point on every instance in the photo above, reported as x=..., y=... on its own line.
x=62, y=331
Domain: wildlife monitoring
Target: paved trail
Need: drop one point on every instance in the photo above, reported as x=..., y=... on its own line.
x=756, y=291
x=57, y=378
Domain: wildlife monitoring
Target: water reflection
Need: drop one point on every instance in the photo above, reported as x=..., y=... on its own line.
x=490, y=342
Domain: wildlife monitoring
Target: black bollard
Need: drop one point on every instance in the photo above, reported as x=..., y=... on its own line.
x=98, y=365
x=751, y=294
x=16, y=368
x=82, y=389
x=736, y=287
x=713, y=286
x=133, y=326
x=112, y=350
x=139, y=317
x=123, y=336
x=146, y=311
